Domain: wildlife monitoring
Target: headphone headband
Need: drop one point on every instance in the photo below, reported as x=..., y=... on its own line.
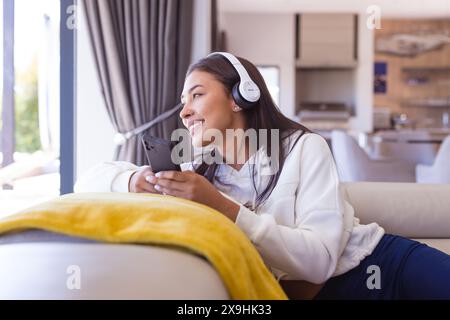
x=246, y=89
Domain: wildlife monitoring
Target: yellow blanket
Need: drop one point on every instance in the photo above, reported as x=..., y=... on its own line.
x=157, y=220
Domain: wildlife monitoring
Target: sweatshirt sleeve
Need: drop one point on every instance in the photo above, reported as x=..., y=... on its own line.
x=310, y=250
x=111, y=177
x=106, y=177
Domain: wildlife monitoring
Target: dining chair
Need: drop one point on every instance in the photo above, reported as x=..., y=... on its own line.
x=354, y=164
x=439, y=171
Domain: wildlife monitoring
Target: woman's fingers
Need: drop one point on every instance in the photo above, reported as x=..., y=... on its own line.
x=170, y=184
x=170, y=192
x=137, y=179
x=142, y=185
x=148, y=188
x=168, y=180
x=172, y=175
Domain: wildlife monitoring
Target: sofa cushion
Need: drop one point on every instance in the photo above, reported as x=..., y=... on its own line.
x=440, y=244
x=406, y=209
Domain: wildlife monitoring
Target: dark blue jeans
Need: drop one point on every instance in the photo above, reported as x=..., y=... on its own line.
x=398, y=268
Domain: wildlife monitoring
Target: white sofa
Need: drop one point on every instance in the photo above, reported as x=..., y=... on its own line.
x=412, y=210
x=38, y=266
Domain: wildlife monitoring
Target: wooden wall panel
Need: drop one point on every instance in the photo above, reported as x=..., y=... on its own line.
x=397, y=89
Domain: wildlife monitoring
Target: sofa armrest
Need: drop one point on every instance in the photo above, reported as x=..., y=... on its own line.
x=105, y=271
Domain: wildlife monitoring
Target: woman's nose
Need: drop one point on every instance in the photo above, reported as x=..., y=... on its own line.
x=186, y=111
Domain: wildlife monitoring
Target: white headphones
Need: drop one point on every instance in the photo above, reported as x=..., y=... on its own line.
x=245, y=93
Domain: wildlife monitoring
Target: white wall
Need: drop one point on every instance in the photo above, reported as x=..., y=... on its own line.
x=363, y=122
x=201, y=30
x=94, y=130
x=265, y=39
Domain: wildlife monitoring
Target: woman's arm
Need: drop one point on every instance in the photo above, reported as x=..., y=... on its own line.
x=118, y=176
x=106, y=177
x=311, y=250
x=192, y=186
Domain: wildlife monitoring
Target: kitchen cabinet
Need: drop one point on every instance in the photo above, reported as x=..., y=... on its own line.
x=326, y=40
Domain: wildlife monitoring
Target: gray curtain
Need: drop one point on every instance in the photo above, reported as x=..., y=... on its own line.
x=142, y=50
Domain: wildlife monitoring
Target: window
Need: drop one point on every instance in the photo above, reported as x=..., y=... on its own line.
x=271, y=75
x=33, y=174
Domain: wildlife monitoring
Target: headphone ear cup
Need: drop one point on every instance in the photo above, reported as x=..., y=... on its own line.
x=239, y=100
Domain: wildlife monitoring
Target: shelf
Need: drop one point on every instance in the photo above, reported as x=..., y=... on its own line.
x=421, y=83
x=426, y=69
x=330, y=65
x=430, y=103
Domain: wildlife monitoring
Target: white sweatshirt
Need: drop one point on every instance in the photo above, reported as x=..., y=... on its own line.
x=305, y=230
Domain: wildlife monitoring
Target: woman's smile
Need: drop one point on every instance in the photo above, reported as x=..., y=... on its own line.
x=195, y=126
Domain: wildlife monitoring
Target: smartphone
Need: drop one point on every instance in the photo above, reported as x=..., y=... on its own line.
x=158, y=152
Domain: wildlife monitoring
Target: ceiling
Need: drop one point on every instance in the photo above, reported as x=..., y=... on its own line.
x=389, y=8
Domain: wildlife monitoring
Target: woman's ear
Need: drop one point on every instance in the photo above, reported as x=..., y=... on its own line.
x=236, y=108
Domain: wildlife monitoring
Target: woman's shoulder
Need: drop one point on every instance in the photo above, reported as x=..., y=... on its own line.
x=301, y=140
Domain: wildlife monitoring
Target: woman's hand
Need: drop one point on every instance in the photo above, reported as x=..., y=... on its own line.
x=192, y=186
x=138, y=181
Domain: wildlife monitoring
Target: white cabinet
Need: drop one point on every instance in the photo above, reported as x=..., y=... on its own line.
x=326, y=40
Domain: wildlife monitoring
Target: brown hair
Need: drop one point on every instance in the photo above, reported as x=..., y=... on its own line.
x=264, y=115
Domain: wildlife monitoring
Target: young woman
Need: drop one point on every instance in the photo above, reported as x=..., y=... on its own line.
x=296, y=217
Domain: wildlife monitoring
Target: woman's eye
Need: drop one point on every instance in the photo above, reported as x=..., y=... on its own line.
x=195, y=95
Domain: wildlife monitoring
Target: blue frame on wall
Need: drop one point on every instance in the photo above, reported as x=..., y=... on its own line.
x=380, y=77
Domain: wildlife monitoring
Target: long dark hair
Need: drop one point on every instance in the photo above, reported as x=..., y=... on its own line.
x=264, y=115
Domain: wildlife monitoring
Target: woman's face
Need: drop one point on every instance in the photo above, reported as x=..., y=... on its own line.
x=207, y=105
